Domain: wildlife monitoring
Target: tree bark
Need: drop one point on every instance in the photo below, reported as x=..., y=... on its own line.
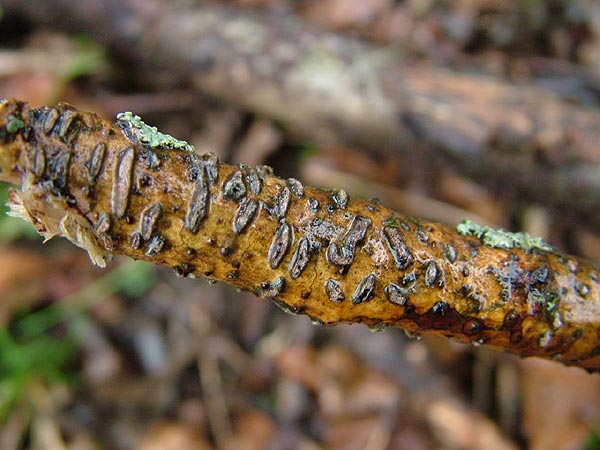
x=127, y=189
x=331, y=88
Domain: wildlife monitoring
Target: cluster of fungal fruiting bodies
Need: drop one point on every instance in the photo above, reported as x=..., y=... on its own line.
x=126, y=188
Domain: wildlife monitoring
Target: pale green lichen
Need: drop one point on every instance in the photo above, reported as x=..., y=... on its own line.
x=501, y=238
x=147, y=135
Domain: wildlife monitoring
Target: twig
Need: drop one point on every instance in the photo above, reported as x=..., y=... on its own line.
x=126, y=188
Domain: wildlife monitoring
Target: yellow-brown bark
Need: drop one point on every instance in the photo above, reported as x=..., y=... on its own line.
x=312, y=251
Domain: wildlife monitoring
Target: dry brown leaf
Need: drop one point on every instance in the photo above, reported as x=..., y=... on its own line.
x=561, y=405
x=252, y=431
x=173, y=436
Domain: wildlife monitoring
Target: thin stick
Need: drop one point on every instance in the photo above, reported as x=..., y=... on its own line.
x=126, y=188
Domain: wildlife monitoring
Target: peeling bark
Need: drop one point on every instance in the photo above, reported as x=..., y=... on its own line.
x=311, y=251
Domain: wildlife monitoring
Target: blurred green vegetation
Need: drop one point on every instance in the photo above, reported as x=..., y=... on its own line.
x=592, y=442
x=41, y=346
x=90, y=58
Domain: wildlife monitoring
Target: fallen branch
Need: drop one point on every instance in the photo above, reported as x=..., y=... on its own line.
x=334, y=89
x=126, y=188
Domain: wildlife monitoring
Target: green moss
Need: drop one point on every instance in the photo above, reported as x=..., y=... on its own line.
x=137, y=129
x=418, y=222
x=89, y=58
x=391, y=222
x=501, y=238
x=14, y=124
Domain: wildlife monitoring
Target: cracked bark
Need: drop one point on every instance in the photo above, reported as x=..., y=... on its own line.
x=311, y=251
x=331, y=88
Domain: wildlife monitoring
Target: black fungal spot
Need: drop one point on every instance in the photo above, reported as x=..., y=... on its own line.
x=340, y=198
x=450, y=253
x=572, y=266
x=37, y=162
x=197, y=206
x=511, y=318
x=195, y=165
x=190, y=252
x=330, y=208
x=136, y=240
x=155, y=245
x=107, y=241
x=245, y=213
x=103, y=224
x=334, y=290
x=396, y=294
x=582, y=289
x=226, y=251
x=122, y=182
x=66, y=120
x=151, y=158
x=149, y=218
x=211, y=167
x=305, y=294
x=313, y=205
x=472, y=327
x=59, y=171
x=344, y=255
x=541, y=274
x=270, y=290
x=94, y=164
x=300, y=258
x=423, y=236
x=441, y=308
x=50, y=120
x=282, y=201
x=280, y=245
x=432, y=272
x=183, y=270
x=264, y=172
x=254, y=181
x=365, y=289
x=409, y=278
x=400, y=251
x=296, y=187
x=234, y=188
x=236, y=264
